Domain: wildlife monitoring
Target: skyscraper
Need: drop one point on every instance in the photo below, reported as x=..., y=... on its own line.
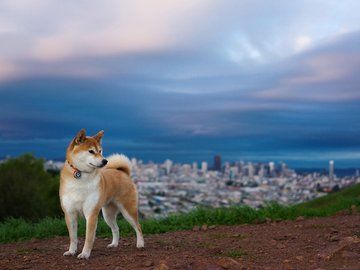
x=331, y=170
x=168, y=164
x=217, y=163
x=251, y=170
x=204, y=167
x=272, y=169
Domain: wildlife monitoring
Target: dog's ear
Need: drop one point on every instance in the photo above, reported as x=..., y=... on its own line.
x=99, y=136
x=80, y=137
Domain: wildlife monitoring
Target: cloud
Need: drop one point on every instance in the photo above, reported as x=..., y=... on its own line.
x=326, y=73
x=302, y=43
x=99, y=28
x=199, y=76
x=243, y=34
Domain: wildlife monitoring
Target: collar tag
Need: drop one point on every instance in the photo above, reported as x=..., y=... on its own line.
x=77, y=174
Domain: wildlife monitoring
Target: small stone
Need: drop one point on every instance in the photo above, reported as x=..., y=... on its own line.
x=141, y=255
x=162, y=266
x=351, y=240
x=350, y=254
x=286, y=261
x=204, y=227
x=334, y=238
x=212, y=227
x=148, y=263
x=228, y=263
x=273, y=242
x=300, y=258
x=196, y=228
x=299, y=218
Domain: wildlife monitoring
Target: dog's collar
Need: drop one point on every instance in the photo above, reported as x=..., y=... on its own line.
x=77, y=172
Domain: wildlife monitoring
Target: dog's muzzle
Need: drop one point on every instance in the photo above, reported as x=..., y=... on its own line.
x=103, y=162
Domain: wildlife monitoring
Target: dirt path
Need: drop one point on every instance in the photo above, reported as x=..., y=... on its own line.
x=320, y=243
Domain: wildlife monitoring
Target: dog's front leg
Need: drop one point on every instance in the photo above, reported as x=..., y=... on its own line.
x=71, y=223
x=91, y=224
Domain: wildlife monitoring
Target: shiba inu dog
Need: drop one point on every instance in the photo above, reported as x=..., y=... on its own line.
x=90, y=183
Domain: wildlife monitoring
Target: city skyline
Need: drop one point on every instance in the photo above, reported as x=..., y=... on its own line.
x=184, y=80
x=170, y=187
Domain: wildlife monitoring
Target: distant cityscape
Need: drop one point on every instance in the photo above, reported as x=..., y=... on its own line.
x=170, y=188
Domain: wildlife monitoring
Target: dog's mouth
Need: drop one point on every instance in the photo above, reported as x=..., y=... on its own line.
x=97, y=166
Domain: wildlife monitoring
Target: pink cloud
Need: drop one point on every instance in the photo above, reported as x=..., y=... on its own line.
x=318, y=72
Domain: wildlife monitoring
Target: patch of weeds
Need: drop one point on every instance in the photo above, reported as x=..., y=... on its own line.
x=225, y=235
x=319, y=226
x=235, y=253
x=218, y=235
x=205, y=245
x=238, y=236
x=24, y=250
x=162, y=242
x=181, y=244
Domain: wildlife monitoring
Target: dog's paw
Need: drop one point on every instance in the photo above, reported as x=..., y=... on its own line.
x=140, y=244
x=112, y=245
x=83, y=255
x=69, y=253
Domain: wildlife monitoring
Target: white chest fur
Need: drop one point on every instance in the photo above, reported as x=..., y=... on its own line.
x=81, y=195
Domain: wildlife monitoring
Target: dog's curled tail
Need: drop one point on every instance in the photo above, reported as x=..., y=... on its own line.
x=119, y=162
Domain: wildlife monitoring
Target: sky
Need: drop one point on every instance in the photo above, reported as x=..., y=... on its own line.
x=183, y=79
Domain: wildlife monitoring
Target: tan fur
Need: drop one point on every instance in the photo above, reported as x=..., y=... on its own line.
x=119, y=162
x=109, y=188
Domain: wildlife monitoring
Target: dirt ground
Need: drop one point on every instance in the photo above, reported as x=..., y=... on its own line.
x=319, y=243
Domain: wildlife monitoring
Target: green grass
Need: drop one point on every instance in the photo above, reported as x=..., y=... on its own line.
x=225, y=235
x=24, y=251
x=13, y=230
x=235, y=253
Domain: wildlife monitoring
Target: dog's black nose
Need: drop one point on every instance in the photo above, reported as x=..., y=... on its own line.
x=104, y=162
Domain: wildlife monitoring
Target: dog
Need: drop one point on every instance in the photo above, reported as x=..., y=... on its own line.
x=90, y=183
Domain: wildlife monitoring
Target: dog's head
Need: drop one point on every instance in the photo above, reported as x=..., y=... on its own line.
x=85, y=153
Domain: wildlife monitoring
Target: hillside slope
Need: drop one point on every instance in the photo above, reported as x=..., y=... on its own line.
x=315, y=243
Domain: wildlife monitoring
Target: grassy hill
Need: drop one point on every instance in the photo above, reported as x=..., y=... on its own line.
x=18, y=229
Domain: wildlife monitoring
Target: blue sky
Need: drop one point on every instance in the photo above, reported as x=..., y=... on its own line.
x=185, y=80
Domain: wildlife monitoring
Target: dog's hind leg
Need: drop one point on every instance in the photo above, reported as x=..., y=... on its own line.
x=129, y=211
x=110, y=212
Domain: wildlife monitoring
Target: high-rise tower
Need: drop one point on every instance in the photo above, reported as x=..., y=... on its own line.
x=217, y=163
x=331, y=170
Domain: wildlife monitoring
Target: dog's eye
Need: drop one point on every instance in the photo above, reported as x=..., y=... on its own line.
x=91, y=152
x=100, y=151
